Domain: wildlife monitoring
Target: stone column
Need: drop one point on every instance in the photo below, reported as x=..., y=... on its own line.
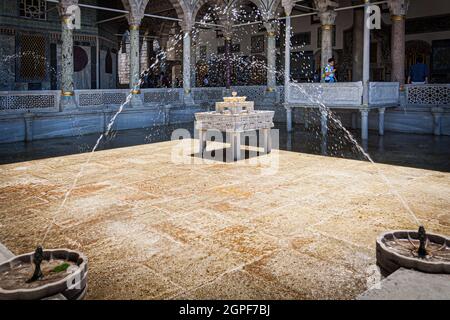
x=134, y=64
x=398, y=10
x=228, y=44
x=187, y=29
x=288, y=5
x=144, y=54
x=381, y=121
x=327, y=17
x=67, y=84
x=271, y=57
x=358, y=38
x=271, y=95
x=437, y=115
x=366, y=56
x=364, y=123
x=288, y=118
x=324, y=122
x=136, y=10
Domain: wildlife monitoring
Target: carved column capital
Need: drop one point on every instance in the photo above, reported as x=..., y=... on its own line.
x=327, y=19
x=136, y=13
x=271, y=28
x=325, y=5
x=64, y=7
x=398, y=8
x=288, y=5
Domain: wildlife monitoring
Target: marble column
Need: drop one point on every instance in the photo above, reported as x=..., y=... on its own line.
x=398, y=10
x=358, y=39
x=144, y=55
x=327, y=18
x=381, y=121
x=288, y=118
x=287, y=59
x=67, y=84
x=136, y=100
x=228, y=43
x=364, y=123
x=271, y=57
x=437, y=123
x=366, y=56
x=136, y=10
x=187, y=65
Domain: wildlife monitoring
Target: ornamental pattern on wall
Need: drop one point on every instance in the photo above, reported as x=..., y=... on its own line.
x=429, y=95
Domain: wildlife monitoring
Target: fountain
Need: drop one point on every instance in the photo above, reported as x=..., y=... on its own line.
x=235, y=115
x=417, y=250
x=59, y=271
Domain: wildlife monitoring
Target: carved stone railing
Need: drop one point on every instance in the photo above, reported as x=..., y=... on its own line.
x=214, y=94
x=428, y=95
x=253, y=93
x=343, y=94
x=384, y=93
x=93, y=98
x=20, y=101
x=162, y=95
x=207, y=94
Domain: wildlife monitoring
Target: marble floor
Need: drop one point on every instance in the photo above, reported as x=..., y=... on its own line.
x=158, y=223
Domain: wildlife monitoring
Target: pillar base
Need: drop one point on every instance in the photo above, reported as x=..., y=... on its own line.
x=136, y=101
x=288, y=118
x=28, y=127
x=67, y=102
x=364, y=123
x=270, y=96
x=188, y=99
x=381, y=121
x=227, y=92
x=437, y=115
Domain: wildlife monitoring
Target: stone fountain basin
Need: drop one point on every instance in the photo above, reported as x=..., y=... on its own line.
x=390, y=261
x=72, y=287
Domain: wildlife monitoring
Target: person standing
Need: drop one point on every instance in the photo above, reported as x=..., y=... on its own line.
x=329, y=72
x=418, y=73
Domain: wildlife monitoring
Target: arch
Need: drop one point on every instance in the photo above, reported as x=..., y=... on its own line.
x=264, y=6
x=180, y=8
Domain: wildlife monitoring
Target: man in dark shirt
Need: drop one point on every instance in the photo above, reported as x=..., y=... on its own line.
x=418, y=73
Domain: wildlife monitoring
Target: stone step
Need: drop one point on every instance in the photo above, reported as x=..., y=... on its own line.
x=406, y=284
x=5, y=254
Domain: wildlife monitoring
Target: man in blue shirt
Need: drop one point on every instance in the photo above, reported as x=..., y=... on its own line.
x=418, y=73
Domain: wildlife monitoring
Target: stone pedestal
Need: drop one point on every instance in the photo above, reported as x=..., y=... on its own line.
x=364, y=124
x=28, y=127
x=288, y=118
x=381, y=121
x=324, y=123
x=234, y=125
x=437, y=115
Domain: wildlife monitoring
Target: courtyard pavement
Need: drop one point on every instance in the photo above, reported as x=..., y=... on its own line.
x=153, y=228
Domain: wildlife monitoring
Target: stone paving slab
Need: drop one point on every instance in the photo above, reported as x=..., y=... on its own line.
x=405, y=284
x=5, y=254
x=155, y=226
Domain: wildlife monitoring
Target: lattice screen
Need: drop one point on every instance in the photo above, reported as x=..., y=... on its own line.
x=33, y=9
x=33, y=57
